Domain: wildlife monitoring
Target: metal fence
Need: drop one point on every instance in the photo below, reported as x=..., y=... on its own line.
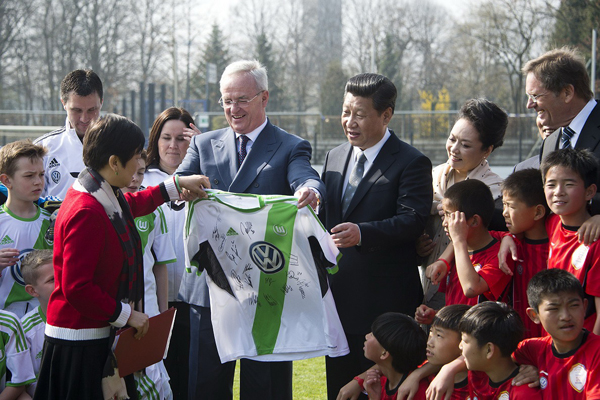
x=426, y=130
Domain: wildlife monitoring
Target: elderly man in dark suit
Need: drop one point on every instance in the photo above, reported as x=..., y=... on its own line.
x=379, y=193
x=250, y=156
x=558, y=89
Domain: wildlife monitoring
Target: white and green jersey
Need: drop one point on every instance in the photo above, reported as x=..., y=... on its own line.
x=14, y=352
x=34, y=323
x=154, y=383
x=24, y=235
x=157, y=249
x=267, y=263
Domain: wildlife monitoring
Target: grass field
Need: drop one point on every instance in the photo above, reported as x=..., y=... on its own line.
x=309, y=380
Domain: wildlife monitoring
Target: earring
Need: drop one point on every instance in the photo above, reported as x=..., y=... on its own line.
x=117, y=173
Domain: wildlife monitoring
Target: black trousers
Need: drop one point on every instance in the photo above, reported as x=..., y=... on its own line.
x=341, y=370
x=177, y=362
x=210, y=379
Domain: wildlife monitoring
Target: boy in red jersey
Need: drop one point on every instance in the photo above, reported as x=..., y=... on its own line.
x=569, y=184
x=525, y=212
x=474, y=275
x=490, y=333
x=397, y=346
x=443, y=345
x=569, y=358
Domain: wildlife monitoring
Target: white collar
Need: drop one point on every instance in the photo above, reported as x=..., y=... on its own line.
x=580, y=119
x=372, y=152
x=254, y=134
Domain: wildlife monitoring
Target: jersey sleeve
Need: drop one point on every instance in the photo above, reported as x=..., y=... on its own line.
x=162, y=248
x=18, y=358
x=592, y=283
x=528, y=350
x=496, y=280
x=314, y=228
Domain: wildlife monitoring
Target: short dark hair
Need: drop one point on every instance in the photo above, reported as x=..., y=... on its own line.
x=111, y=135
x=494, y=322
x=489, y=120
x=172, y=113
x=81, y=81
x=472, y=197
x=32, y=261
x=581, y=161
x=402, y=338
x=526, y=186
x=449, y=317
x=552, y=281
x=10, y=153
x=558, y=68
x=376, y=87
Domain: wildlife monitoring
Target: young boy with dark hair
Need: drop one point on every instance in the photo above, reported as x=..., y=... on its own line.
x=569, y=358
x=23, y=224
x=443, y=344
x=569, y=185
x=38, y=275
x=397, y=346
x=490, y=332
x=474, y=275
x=525, y=211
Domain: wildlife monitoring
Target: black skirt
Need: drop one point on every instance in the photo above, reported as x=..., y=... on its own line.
x=73, y=370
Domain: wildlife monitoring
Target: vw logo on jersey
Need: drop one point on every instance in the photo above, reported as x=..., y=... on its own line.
x=267, y=257
x=279, y=230
x=142, y=225
x=55, y=176
x=15, y=270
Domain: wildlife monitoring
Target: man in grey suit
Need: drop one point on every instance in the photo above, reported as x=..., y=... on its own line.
x=250, y=156
x=558, y=89
x=379, y=194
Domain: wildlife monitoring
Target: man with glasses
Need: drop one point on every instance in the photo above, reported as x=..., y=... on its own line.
x=250, y=156
x=558, y=89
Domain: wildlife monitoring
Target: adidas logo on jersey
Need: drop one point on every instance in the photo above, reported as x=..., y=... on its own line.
x=53, y=164
x=6, y=240
x=232, y=232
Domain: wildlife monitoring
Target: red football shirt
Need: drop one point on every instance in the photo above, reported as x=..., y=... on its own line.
x=481, y=387
x=582, y=261
x=485, y=262
x=571, y=376
x=534, y=254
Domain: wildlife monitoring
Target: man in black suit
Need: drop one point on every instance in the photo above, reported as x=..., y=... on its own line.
x=558, y=87
x=379, y=193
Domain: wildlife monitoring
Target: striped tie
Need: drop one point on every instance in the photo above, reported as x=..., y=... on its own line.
x=565, y=137
x=353, y=181
x=242, y=153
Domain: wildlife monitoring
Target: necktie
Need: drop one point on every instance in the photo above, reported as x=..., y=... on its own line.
x=242, y=153
x=353, y=181
x=565, y=137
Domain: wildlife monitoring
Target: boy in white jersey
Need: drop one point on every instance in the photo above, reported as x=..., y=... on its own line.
x=158, y=252
x=23, y=224
x=38, y=274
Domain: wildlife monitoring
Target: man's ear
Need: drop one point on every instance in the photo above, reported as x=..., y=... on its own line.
x=491, y=349
x=31, y=291
x=385, y=355
x=533, y=315
x=475, y=221
x=590, y=191
x=569, y=91
x=387, y=115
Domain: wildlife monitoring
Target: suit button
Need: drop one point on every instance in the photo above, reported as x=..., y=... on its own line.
x=256, y=185
x=216, y=181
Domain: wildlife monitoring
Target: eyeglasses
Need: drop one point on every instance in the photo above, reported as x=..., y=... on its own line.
x=534, y=97
x=240, y=102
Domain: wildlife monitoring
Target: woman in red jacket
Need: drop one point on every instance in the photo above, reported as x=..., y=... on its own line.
x=98, y=268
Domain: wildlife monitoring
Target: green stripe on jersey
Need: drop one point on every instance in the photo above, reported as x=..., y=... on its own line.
x=272, y=287
x=11, y=326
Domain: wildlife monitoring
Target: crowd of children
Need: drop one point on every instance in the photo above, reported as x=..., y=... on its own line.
x=540, y=281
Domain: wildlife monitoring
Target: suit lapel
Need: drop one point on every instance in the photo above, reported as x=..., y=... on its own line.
x=590, y=134
x=225, y=152
x=384, y=159
x=335, y=180
x=259, y=156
